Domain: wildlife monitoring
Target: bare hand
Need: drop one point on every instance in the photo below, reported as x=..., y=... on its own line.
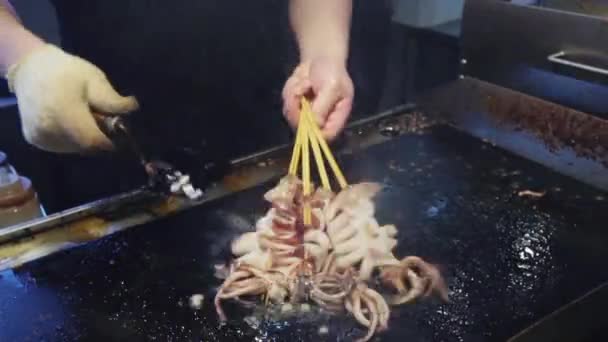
x=327, y=83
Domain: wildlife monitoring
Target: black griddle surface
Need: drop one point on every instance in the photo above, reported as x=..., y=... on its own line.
x=508, y=260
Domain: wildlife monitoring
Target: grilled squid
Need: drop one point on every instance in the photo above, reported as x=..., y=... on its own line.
x=331, y=262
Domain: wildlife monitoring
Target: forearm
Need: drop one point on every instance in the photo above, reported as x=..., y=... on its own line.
x=321, y=27
x=15, y=40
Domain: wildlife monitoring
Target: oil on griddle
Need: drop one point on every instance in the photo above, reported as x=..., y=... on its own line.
x=508, y=259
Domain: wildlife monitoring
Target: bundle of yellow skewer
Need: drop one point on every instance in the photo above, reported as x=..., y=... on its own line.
x=308, y=137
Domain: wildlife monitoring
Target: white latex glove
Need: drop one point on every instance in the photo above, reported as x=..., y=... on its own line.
x=57, y=94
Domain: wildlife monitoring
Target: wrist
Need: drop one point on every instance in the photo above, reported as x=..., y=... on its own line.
x=330, y=46
x=23, y=44
x=326, y=56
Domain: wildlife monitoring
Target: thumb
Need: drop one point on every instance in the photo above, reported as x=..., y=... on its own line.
x=104, y=98
x=323, y=104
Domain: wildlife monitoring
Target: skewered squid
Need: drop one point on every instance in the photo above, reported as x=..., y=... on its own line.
x=332, y=261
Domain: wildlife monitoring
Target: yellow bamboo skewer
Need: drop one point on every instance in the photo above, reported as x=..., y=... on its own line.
x=317, y=152
x=308, y=132
x=297, y=149
x=306, y=169
x=330, y=158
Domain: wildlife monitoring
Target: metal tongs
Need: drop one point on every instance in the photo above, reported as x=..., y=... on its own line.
x=162, y=177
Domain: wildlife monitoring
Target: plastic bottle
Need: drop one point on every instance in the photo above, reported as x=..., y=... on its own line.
x=18, y=199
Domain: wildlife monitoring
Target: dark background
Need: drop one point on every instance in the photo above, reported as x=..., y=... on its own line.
x=389, y=64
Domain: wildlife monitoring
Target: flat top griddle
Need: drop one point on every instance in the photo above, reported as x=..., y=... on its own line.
x=508, y=260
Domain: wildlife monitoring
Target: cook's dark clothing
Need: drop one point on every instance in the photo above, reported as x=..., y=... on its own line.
x=208, y=76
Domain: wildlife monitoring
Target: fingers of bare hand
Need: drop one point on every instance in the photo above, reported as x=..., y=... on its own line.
x=302, y=87
x=336, y=121
x=294, y=90
x=289, y=100
x=325, y=102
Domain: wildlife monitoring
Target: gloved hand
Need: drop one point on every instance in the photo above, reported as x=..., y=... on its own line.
x=331, y=90
x=57, y=94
